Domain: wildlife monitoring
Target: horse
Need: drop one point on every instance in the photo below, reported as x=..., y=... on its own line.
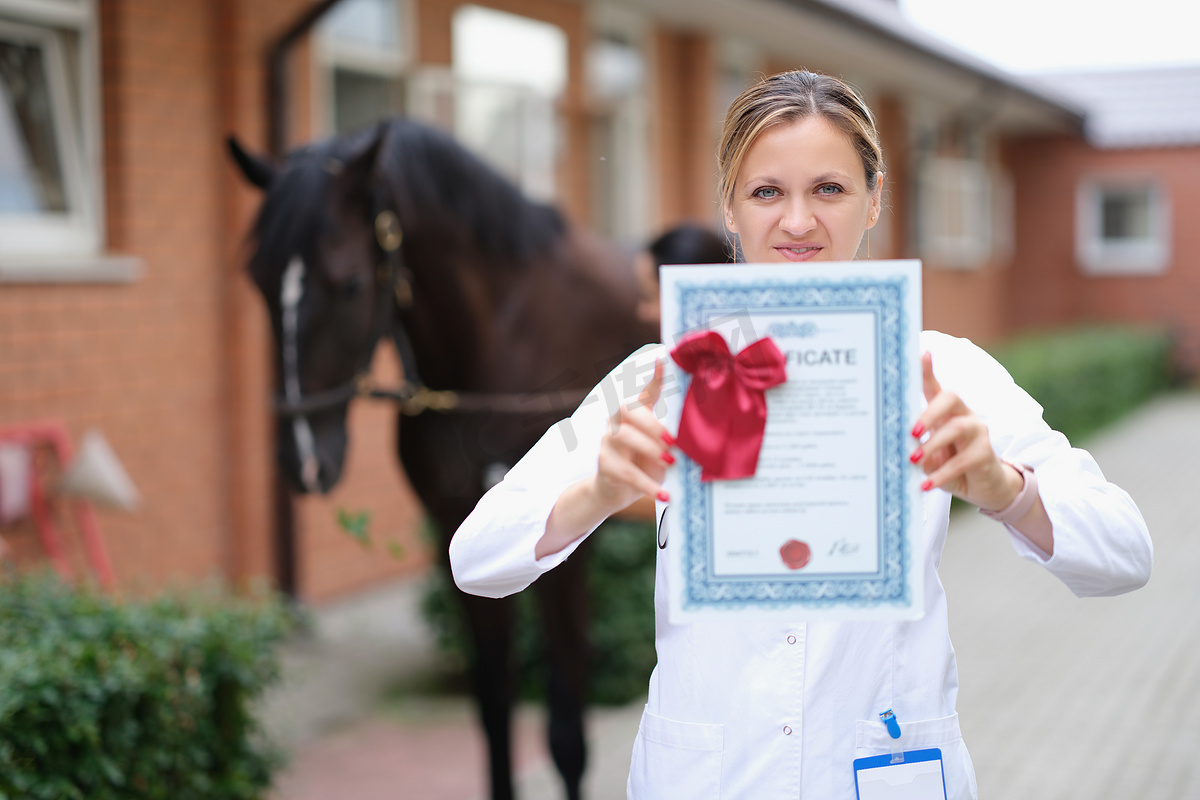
x=503, y=312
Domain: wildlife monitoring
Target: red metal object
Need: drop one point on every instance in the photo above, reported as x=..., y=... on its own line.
x=53, y=434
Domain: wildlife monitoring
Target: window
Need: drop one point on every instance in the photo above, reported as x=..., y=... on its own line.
x=363, y=52
x=499, y=97
x=620, y=119
x=509, y=72
x=50, y=210
x=1122, y=227
x=741, y=66
x=964, y=212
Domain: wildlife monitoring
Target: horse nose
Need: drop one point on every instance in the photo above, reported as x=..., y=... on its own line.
x=312, y=475
x=328, y=476
x=311, y=456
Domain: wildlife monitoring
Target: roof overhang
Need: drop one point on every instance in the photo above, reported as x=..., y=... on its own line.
x=873, y=45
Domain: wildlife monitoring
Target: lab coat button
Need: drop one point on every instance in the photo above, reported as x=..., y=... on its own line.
x=787, y=730
x=791, y=639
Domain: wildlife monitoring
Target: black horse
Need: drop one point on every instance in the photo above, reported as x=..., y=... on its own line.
x=501, y=309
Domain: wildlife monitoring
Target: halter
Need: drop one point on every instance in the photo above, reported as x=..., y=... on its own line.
x=412, y=395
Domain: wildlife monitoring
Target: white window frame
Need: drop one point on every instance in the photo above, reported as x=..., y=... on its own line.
x=532, y=162
x=436, y=96
x=64, y=246
x=628, y=216
x=969, y=187
x=332, y=54
x=1150, y=255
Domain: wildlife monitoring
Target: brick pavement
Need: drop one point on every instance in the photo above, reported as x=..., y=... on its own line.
x=1100, y=697
x=1061, y=697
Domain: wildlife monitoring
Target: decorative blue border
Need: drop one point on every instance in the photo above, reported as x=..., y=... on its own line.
x=697, y=304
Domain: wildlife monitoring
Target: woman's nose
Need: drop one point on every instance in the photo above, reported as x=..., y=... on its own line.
x=797, y=218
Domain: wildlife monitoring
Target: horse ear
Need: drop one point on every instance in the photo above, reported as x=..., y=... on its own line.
x=257, y=169
x=362, y=158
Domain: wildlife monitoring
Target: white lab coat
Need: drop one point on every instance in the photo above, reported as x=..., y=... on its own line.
x=765, y=711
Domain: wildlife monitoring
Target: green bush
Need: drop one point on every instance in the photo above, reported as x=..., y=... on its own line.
x=621, y=630
x=102, y=698
x=1088, y=377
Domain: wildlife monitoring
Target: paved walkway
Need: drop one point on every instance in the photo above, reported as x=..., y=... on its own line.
x=1061, y=697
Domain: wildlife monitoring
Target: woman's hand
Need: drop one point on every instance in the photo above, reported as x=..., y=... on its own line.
x=634, y=452
x=634, y=455
x=958, y=454
x=959, y=458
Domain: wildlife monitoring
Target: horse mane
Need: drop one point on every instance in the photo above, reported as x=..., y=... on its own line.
x=448, y=186
x=420, y=169
x=294, y=213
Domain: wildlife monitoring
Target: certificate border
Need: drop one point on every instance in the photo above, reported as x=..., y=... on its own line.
x=703, y=590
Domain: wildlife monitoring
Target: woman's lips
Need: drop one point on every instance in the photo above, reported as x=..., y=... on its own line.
x=798, y=252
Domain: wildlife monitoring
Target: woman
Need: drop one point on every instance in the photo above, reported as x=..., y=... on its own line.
x=781, y=711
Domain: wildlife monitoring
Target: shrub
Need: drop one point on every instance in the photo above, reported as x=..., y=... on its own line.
x=621, y=558
x=1088, y=377
x=102, y=698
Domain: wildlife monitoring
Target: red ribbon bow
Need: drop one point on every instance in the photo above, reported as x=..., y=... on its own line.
x=725, y=411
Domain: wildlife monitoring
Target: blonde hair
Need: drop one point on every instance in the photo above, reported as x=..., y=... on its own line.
x=788, y=97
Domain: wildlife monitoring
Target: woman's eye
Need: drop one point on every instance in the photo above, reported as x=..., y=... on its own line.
x=766, y=192
x=829, y=188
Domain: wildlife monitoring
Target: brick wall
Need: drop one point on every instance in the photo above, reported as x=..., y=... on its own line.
x=142, y=361
x=173, y=367
x=686, y=126
x=1046, y=173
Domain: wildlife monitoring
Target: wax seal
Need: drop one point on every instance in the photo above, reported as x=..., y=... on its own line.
x=795, y=554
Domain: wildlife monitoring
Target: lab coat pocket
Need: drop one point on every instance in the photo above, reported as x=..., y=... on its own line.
x=872, y=739
x=676, y=759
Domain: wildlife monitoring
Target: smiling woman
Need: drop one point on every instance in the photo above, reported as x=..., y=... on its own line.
x=801, y=195
x=801, y=169
x=786, y=710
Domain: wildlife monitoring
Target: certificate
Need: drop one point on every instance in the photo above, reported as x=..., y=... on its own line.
x=826, y=526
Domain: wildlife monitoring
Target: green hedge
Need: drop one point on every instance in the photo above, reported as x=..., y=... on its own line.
x=621, y=581
x=101, y=698
x=1088, y=377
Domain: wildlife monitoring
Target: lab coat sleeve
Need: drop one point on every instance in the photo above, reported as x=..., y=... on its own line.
x=492, y=552
x=1101, y=543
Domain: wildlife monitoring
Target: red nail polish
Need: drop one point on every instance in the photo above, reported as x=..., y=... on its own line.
x=918, y=429
x=667, y=457
x=917, y=455
x=668, y=438
x=927, y=485
x=662, y=496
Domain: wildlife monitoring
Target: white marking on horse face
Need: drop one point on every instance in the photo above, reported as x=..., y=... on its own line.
x=306, y=446
x=289, y=303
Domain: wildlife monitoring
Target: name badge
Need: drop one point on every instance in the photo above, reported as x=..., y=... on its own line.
x=918, y=776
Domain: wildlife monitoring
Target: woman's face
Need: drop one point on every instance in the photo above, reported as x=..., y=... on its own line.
x=801, y=195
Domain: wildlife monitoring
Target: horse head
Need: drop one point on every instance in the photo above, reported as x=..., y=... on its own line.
x=322, y=269
x=486, y=292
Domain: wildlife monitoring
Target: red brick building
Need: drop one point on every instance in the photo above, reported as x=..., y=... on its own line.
x=1106, y=223
x=122, y=222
